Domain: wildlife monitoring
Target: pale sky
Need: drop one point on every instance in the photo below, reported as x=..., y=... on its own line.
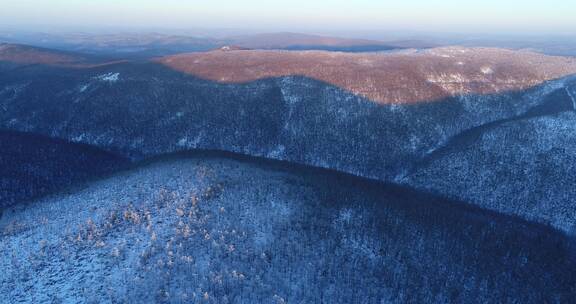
x=430, y=15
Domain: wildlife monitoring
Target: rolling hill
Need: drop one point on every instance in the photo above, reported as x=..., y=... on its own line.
x=396, y=78
x=221, y=228
x=23, y=54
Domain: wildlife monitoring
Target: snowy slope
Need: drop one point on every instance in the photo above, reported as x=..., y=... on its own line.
x=526, y=167
x=208, y=228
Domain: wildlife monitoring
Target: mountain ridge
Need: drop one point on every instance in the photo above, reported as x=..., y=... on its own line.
x=400, y=77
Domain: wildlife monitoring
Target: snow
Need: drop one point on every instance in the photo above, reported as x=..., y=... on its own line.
x=183, y=142
x=186, y=142
x=109, y=77
x=83, y=88
x=79, y=138
x=448, y=78
x=571, y=97
x=278, y=153
x=486, y=70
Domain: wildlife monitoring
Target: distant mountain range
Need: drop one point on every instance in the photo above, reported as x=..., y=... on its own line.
x=155, y=44
x=149, y=44
x=295, y=41
x=23, y=54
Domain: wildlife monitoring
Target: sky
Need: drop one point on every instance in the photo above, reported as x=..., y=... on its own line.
x=297, y=15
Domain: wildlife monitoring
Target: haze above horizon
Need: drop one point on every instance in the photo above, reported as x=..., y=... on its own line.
x=554, y=16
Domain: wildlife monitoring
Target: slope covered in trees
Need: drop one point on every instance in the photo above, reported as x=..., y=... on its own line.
x=143, y=109
x=226, y=229
x=34, y=165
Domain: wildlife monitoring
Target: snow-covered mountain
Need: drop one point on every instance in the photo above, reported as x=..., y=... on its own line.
x=227, y=229
x=399, y=122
